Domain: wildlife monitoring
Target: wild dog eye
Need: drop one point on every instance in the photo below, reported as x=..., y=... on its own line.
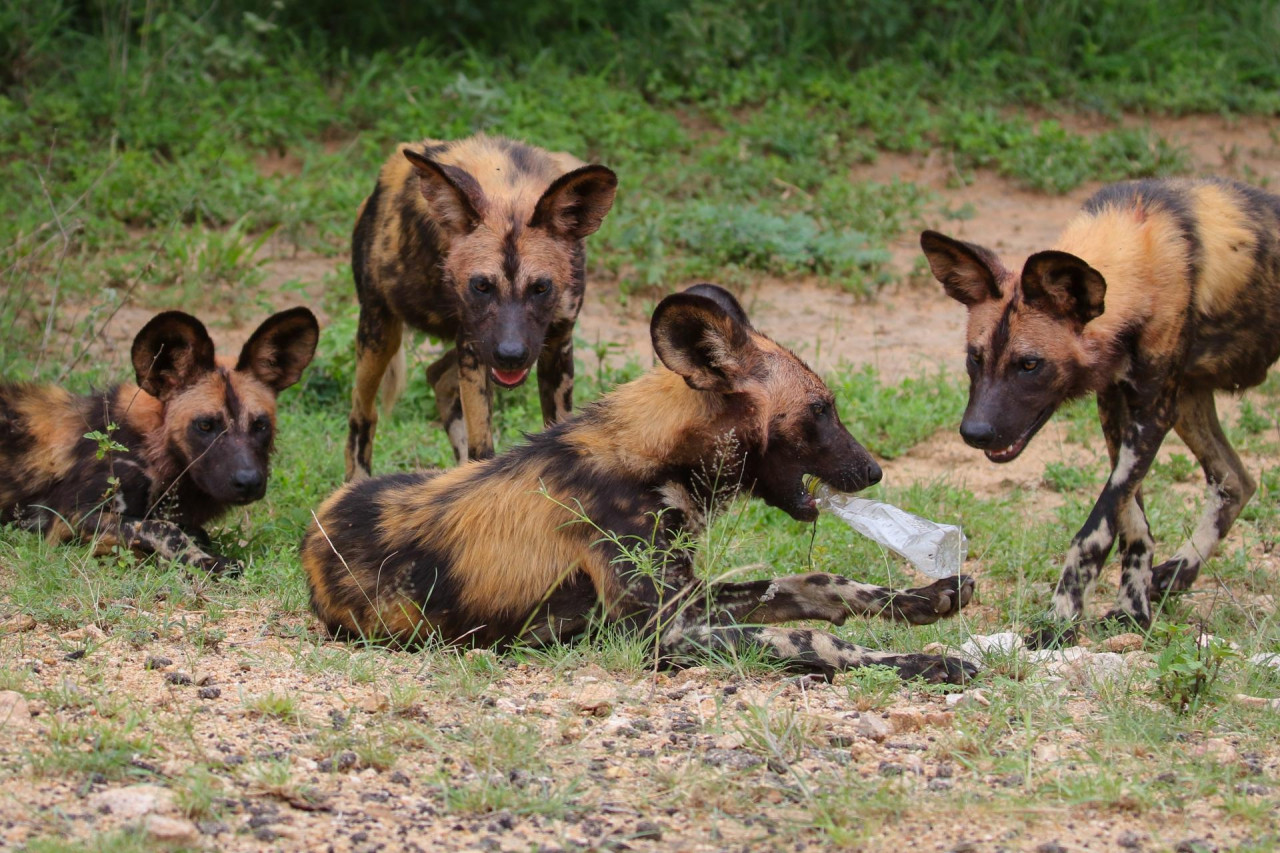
x=204, y=424
x=260, y=424
x=975, y=358
x=481, y=283
x=1029, y=365
x=540, y=286
x=819, y=408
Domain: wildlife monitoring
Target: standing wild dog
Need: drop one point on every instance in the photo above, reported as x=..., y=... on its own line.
x=191, y=439
x=534, y=542
x=477, y=241
x=1157, y=294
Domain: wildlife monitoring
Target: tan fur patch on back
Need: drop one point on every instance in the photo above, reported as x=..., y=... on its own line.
x=50, y=415
x=511, y=544
x=1228, y=244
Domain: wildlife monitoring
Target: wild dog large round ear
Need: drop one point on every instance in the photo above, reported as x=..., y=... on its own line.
x=697, y=338
x=171, y=351
x=723, y=298
x=278, y=351
x=967, y=271
x=1064, y=285
x=576, y=202
x=456, y=200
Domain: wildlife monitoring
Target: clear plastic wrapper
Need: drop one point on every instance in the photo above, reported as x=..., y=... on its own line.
x=938, y=550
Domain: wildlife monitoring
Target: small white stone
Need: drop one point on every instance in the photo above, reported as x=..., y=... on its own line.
x=981, y=645
x=1267, y=659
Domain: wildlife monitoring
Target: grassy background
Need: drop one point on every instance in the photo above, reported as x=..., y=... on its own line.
x=157, y=153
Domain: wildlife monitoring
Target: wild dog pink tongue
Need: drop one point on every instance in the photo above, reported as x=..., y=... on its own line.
x=510, y=377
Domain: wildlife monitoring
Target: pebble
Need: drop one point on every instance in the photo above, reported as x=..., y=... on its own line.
x=15, y=714
x=88, y=632
x=980, y=646
x=1266, y=659
x=171, y=830
x=17, y=624
x=156, y=662
x=132, y=802
x=874, y=726
x=1121, y=643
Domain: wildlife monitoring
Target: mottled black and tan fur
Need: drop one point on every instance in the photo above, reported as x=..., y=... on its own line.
x=478, y=242
x=192, y=438
x=538, y=541
x=1157, y=294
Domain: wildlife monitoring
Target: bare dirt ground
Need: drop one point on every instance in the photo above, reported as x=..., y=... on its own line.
x=644, y=754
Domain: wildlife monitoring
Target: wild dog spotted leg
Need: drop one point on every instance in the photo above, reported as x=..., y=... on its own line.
x=808, y=650
x=832, y=598
x=1230, y=487
x=442, y=376
x=1135, y=544
x=555, y=374
x=1147, y=425
x=151, y=536
x=378, y=336
x=475, y=390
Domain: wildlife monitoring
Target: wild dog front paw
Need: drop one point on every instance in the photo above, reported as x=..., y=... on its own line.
x=935, y=669
x=1172, y=576
x=1052, y=634
x=222, y=566
x=938, y=600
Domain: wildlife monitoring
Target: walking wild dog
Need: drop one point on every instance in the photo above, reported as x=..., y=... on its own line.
x=480, y=242
x=1157, y=294
x=189, y=440
x=531, y=544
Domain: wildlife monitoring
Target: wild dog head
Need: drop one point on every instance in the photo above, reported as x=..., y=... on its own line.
x=219, y=419
x=784, y=415
x=1026, y=349
x=514, y=259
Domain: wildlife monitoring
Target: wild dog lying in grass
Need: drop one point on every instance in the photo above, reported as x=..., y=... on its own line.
x=1157, y=294
x=146, y=465
x=530, y=545
x=478, y=241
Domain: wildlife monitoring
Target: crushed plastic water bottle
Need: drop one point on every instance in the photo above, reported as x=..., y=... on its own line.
x=938, y=550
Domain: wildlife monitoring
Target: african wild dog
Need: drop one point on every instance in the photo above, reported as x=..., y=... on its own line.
x=1157, y=294
x=534, y=542
x=480, y=242
x=196, y=435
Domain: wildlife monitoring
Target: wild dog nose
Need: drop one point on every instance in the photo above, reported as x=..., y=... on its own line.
x=512, y=354
x=979, y=435
x=247, y=482
x=873, y=472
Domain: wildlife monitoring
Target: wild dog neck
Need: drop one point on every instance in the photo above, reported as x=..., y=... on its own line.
x=657, y=424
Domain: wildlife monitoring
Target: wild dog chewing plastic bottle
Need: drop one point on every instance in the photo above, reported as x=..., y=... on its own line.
x=938, y=550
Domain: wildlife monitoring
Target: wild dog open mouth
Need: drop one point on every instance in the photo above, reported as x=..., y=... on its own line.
x=509, y=378
x=1010, y=453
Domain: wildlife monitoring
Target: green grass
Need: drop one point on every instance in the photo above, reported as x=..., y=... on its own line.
x=136, y=160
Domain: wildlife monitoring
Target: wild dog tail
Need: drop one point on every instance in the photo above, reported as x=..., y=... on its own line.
x=393, y=381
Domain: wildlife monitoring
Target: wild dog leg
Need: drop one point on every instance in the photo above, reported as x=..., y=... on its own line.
x=1230, y=488
x=1135, y=543
x=154, y=536
x=475, y=390
x=1142, y=436
x=808, y=650
x=377, y=340
x=442, y=376
x=832, y=598
x=555, y=375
